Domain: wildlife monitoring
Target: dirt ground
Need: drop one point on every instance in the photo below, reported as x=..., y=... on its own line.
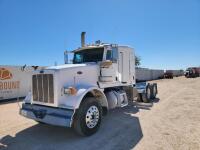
x=171, y=122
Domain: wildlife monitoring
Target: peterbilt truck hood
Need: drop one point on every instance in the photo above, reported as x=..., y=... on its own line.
x=66, y=66
x=55, y=78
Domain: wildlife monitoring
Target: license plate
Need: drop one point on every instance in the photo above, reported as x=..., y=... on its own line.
x=24, y=112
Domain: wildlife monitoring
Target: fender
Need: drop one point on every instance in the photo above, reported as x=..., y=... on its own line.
x=74, y=101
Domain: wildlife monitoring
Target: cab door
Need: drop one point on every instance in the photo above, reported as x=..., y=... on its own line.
x=109, y=67
x=124, y=65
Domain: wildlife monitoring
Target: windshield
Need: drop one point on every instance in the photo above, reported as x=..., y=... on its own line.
x=88, y=55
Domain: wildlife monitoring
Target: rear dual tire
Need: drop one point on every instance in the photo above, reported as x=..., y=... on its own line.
x=146, y=97
x=151, y=92
x=154, y=91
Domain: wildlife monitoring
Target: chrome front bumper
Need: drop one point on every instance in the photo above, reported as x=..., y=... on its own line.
x=48, y=115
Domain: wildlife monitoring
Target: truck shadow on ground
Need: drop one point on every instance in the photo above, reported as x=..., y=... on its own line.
x=120, y=130
x=146, y=106
x=8, y=101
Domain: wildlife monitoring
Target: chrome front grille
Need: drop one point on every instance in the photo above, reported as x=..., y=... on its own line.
x=42, y=87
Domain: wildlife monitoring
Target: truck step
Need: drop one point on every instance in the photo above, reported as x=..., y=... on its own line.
x=124, y=104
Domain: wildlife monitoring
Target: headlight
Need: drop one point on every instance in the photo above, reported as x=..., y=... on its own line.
x=70, y=90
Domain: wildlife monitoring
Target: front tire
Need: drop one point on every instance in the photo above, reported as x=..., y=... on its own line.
x=88, y=117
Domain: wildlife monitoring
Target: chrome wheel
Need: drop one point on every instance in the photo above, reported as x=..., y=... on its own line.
x=92, y=117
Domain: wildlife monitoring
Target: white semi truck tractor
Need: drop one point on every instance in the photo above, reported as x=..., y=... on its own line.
x=101, y=77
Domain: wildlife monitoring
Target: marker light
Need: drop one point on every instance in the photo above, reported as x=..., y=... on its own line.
x=70, y=90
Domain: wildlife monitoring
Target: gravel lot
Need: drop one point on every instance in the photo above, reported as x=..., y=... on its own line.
x=171, y=122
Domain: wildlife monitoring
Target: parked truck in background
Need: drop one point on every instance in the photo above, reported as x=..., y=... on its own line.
x=168, y=74
x=192, y=72
x=77, y=95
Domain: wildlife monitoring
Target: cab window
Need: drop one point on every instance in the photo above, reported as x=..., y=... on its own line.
x=88, y=55
x=112, y=55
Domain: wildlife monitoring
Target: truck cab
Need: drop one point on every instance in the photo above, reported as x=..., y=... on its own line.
x=192, y=72
x=115, y=63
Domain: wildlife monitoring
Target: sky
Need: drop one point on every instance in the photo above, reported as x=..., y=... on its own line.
x=164, y=33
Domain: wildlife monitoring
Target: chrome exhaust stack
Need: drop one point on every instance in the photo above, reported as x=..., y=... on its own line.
x=83, y=39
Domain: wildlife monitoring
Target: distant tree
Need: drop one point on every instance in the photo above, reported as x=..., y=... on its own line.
x=137, y=61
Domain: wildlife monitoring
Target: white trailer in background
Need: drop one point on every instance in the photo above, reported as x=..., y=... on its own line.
x=15, y=81
x=145, y=74
x=102, y=77
x=173, y=73
x=177, y=73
